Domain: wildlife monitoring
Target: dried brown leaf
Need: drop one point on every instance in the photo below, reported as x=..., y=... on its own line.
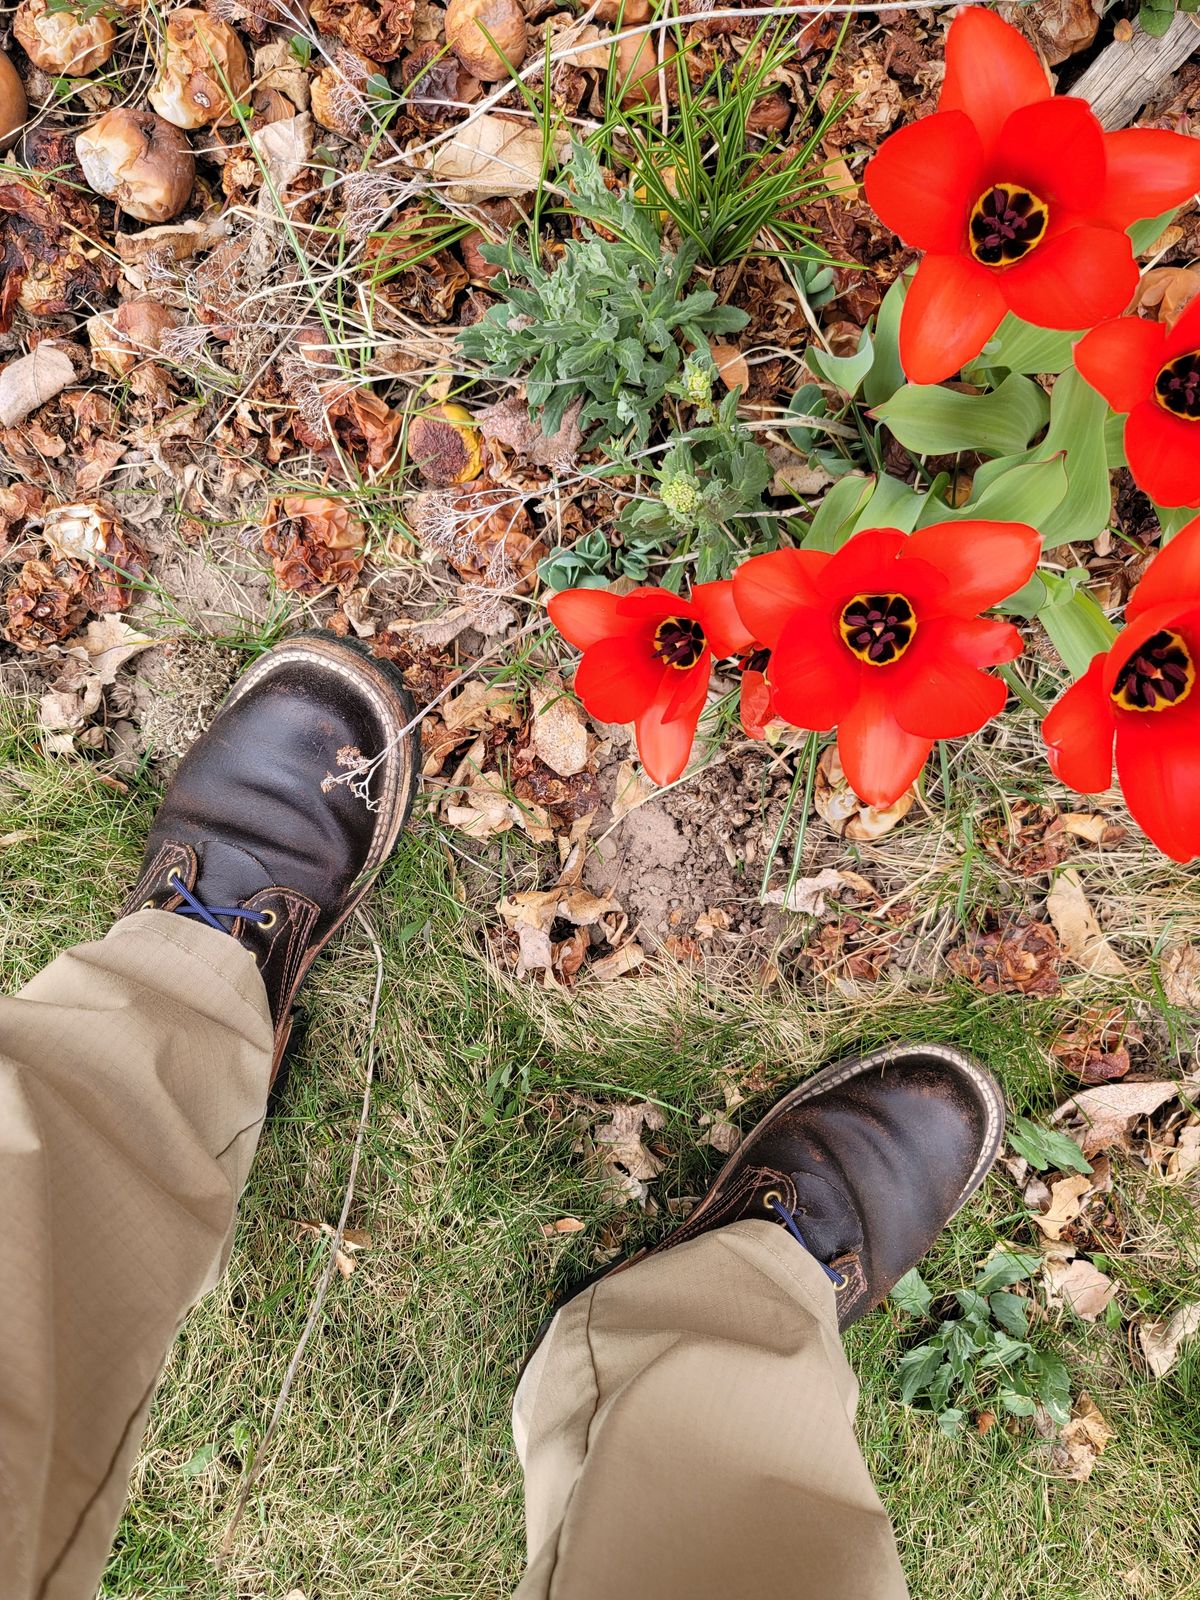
x=1078, y=931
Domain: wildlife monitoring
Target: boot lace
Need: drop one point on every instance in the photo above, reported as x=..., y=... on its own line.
x=775, y=1203
x=193, y=906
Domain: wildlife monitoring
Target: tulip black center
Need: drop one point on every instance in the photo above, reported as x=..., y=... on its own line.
x=756, y=661
x=1159, y=676
x=1006, y=222
x=878, y=628
x=679, y=642
x=1177, y=387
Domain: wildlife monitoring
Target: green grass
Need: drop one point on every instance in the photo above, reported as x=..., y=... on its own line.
x=395, y=1475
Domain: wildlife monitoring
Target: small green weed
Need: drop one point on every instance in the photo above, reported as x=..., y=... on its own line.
x=603, y=328
x=985, y=1354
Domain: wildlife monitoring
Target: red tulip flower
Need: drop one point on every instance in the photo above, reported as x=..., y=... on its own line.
x=647, y=658
x=884, y=639
x=1020, y=201
x=1140, y=696
x=1153, y=373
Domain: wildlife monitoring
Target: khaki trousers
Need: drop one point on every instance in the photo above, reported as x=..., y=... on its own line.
x=685, y=1427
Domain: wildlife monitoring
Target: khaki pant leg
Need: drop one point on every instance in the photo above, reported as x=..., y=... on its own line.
x=686, y=1430
x=133, y=1082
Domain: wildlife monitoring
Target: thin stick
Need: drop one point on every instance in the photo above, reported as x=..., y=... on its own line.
x=262, y=1456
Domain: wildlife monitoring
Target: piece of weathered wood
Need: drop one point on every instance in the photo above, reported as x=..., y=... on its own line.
x=1124, y=77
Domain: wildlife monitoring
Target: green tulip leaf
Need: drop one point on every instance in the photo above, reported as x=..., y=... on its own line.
x=934, y=421
x=1077, y=627
x=1020, y=347
x=838, y=513
x=886, y=374
x=844, y=372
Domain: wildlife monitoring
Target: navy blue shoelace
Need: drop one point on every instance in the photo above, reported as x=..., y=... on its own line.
x=785, y=1216
x=194, y=907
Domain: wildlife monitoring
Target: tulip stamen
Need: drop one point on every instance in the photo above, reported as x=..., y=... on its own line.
x=1177, y=387
x=1007, y=221
x=878, y=628
x=679, y=642
x=1160, y=675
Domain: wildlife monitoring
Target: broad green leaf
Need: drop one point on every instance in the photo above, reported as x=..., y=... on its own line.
x=886, y=374
x=1020, y=347
x=1172, y=518
x=1017, y=1404
x=1026, y=491
x=950, y=1420
x=1028, y=600
x=1144, y=233
x=844, y=372
x=1005, y=1267
x=1077, y=435
x=1011, y=1312
x=912, y=1294
x=836, y=514
x=1045, y=1148
x=893, y=505
x=808, y=401
x=935, y=421
x=1078, y=628
x=916, y=1370
x=1114, y=442
x=972, y=1303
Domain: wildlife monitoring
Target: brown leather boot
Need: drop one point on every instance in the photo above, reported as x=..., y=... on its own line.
x=864, y=1164
x=254, y=836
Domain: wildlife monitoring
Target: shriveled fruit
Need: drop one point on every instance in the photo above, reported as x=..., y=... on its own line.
x=64, y=43
x=124, y=338
x=13, y=105
x=140, y=161
x=487, y=36
x=203, y=65
x=313, y=542
x=445, y=445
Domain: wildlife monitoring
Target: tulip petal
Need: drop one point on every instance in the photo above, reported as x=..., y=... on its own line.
x=936, y=690
x=1072, y=280
x=984, y=562
x=585, y=616
x=865, y=563
x=663, y=745
x=650, y=604
x=814, y=678
x=1158, y=765
x=618, y=678
x=768, y=589
x=925, y=179
x=879, y=758
x=1056, y=149
x=723, y=627
x=1078, y=732
x=990, y=71
x=757, y=704
x=953, y=307
x=1164, y=455
x=688, y=688
x=1120, y=359
x=1172, y=576
x=1149, y=171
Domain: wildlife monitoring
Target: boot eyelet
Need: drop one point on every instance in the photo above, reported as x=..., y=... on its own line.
x=146, y=905
x=769, y=1199
x=844, y=1284
x=268, y=919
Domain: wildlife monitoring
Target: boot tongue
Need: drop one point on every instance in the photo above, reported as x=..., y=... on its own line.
x=831, y=1225
x=227, y=875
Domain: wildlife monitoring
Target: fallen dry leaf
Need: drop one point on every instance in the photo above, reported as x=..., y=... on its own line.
x=627, y=959
x=1180, y=971
x=107, y=644
x=1018, y=958
x=1080, y=1286
x=559, y=735
x=619, y=1145
x=479, y=707
x=1078, y=931
x=807, y=895
x=1094, y=827
x=1185, y=1157
x=489, y=157
x=1058, y=28
x=1075, y=1447
x=564, y=1225
x=28, y=382
x=1161, y=1341
x=630, y=791
x=1100, y=1117
x=1066, y=1202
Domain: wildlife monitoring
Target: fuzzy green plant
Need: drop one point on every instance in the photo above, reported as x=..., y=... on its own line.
x=607, y=328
